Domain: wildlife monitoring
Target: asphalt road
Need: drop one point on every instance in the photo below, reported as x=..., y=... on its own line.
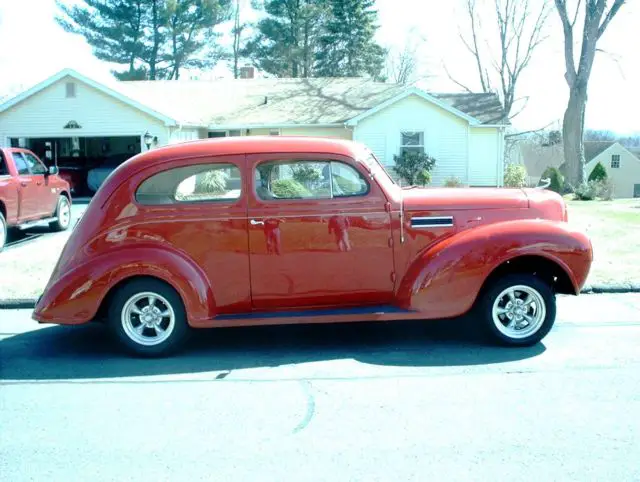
x=367, y=402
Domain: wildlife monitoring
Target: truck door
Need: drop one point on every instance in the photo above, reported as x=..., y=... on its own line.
x=47, y=197
x=28, y=189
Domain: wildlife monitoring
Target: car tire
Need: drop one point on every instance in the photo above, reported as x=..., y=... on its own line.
x=518, y=310
x=63, y=215
x=148, y=318
x=3, y=231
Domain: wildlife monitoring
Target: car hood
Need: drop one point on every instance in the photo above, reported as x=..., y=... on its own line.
x=437, y=199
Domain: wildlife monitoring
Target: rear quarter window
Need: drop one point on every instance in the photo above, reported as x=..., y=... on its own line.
x=218, y=182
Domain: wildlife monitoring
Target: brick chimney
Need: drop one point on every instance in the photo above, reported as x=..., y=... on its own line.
x=247, y=72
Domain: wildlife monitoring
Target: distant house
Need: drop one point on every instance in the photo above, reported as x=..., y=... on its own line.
x=537, y=157
x=74, y=119
x=622, y=166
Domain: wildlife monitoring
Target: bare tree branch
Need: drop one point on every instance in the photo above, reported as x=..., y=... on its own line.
x=459, y=84
x=575, y=16
x=612, y=13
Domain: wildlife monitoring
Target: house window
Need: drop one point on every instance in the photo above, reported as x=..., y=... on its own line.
x=71, y=89
x=615, y=161
x=411, y=141
x=235, y=133
x=274, y=132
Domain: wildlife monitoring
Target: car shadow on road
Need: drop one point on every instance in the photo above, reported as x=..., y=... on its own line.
x=82, y=352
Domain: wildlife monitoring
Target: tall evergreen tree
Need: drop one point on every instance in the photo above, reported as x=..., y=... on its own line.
x=348, y=47
x=156, y=38
x=287, y=41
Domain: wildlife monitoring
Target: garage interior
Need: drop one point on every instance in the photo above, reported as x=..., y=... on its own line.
x=77, y=156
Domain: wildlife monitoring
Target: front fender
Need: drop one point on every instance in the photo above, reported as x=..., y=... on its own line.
x=444, y=280
x=75, y=295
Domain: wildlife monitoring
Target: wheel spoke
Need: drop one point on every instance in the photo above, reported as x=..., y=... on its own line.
x=512, y=295
x=528, y=318
x=159, y=330
x=136, y=310
x=165, y=313
x=140, y=328
x=501, y=311
x=152, y=301
x=512, y=324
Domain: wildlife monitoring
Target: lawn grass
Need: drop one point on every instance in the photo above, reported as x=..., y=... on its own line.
x=614, y=229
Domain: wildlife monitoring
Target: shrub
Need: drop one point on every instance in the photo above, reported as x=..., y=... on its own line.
x=599, y=173
x=452, y=181
x=288, y=188
x=604, y=189
x=211, y=182
x=306, y=173
x=414, y=167
x=556, y=177
x=588, y=191
x=515, y=175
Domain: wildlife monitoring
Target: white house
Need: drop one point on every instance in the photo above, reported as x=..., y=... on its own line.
x=622, y=166
x=70, y=118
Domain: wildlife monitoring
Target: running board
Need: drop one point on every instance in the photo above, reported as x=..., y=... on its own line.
x=31, y=224
x=356, y=311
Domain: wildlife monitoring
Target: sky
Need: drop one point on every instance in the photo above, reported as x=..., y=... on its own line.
x=30, y=55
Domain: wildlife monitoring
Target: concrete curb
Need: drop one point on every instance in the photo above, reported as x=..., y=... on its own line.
x=30, y=303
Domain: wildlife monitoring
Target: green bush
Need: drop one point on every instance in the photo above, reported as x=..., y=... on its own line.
x=588, y=191
x=599, y=173
x=288, y=189
x=556, y=177
x=306, y=173
x=211, y=182
x=414, y=167
x=452, y=181
x=515, y=175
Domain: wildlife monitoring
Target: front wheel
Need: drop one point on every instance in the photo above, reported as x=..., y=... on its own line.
x=63, y=215
x=148, y=317
x=518, y=310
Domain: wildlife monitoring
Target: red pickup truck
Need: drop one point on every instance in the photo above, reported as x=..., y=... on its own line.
x=30, y=193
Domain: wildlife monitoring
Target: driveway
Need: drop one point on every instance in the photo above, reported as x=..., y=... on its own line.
x=371, y=402
x=27, y=262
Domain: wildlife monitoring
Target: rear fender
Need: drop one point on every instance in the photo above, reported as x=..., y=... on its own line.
x=445, y=279
x=82, y=289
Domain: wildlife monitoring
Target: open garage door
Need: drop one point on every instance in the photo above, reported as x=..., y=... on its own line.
x=85, y=162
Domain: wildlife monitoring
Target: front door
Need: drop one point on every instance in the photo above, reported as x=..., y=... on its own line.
x=319, y=234
x=47, y=197
x=28, y=189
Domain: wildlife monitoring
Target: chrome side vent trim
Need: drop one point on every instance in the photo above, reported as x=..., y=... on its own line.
x=432, y=222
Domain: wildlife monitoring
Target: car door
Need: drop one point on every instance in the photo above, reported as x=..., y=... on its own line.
x=47, y=197
x=319, y=234
x=27, y=190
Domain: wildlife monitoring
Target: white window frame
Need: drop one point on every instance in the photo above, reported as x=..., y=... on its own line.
x=413, y=132
x=274, y=132
x=615, y=158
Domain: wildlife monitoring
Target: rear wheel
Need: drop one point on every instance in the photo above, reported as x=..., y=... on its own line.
x=518, y=310
x=63, y=215
x=3, y=231
x=148, y=318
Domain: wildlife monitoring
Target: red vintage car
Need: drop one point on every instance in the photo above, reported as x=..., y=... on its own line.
x=254, y=230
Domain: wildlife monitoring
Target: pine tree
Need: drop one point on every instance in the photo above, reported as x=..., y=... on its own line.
x=348, y=47
x=156, y=38
x=287, y=40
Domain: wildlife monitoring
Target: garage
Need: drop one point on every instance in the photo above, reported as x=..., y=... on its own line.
x=84, y=127
x=84, y=162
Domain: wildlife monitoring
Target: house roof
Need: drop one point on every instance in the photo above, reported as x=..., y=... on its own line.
x=593, y=149
x=231, y=103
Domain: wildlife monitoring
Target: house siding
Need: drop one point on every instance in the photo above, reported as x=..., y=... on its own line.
x=623, y=178
x=445, y=136
x=47, y=112
x=485, y=157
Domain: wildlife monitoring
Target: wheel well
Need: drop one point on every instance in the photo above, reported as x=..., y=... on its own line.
x=550, y=272
x=3, y=210
x=66, y=194
x=103, y=309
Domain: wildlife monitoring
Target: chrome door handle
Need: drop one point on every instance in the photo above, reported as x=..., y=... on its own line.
x=256, y=223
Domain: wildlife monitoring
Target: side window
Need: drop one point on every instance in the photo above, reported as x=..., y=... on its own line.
x=308, y=180
x=4, y=171
x=21, y=163
x=34, y=164
x=202, y=182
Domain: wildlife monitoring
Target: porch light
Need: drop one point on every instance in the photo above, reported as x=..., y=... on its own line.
x=148, y=139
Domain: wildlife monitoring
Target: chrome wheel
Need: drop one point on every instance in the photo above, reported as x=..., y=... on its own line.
x=148, y=319
x=519, y=311
x=64, y=212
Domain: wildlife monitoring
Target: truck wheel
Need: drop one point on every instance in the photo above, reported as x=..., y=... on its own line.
x=3, y=231
x=148, y=318
x=63, y=214
x=518, y=310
